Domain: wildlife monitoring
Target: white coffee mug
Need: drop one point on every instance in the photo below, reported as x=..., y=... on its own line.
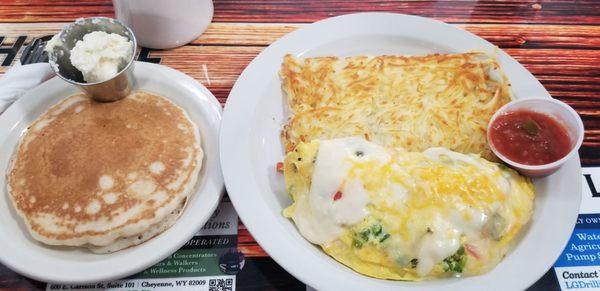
x=164, y=24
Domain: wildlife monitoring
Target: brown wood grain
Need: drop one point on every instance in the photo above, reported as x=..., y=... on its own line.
x=51, y=11
x=563, y=12
x=526, y=12
x=263, y=34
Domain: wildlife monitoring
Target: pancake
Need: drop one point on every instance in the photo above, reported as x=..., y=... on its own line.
x=134, y=240
x=410, y=102
x=94, y=174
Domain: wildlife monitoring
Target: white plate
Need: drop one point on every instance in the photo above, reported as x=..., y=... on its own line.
x=20, y=252
x=251, y=146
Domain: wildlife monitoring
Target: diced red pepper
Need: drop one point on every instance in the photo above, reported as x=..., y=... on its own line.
x=280, y=167
x=472, y=250
x=337, y=196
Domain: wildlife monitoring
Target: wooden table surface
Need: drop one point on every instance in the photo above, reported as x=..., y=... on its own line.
x=557, y=41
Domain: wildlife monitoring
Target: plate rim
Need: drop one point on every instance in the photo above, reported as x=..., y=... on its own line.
x=232, y=111
x=211, y=191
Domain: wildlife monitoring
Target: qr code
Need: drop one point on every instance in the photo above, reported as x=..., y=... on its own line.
x=220, y=285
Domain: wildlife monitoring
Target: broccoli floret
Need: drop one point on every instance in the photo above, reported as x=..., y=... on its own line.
x=374, y=232
x=376, y=229
x=364, y=235
x=360, y=238
x=456, y=262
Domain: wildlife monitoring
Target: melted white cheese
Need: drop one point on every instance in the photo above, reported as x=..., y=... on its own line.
x=434, y=248
x=321, y=218
x=471, y=224
x=398, y=195
x=438, y=153
x=443, y=241
x=350, y=208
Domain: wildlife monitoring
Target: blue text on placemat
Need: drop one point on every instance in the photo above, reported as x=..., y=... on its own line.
x=583, y=249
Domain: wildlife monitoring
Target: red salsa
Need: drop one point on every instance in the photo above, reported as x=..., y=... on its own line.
x=529, y=137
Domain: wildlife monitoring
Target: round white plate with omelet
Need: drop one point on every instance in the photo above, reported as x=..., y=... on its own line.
x=20, y=252
x=251, y=147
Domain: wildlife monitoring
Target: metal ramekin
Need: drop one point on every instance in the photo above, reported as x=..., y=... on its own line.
x=109, y=90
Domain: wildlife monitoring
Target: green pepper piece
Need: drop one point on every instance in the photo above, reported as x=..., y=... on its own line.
x=365, y=234
x=384, y=237
x=376, y=229
x=530, y=127
x=456, y=262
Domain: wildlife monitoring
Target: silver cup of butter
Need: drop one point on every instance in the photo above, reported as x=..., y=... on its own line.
x=106, y=71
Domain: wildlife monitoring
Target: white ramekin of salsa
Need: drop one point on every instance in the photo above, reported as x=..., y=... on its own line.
x=535, y=135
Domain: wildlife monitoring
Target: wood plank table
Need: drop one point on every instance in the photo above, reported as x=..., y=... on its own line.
x=558, y=41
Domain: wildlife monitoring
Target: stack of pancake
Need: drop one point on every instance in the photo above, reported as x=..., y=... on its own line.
x=105, y=176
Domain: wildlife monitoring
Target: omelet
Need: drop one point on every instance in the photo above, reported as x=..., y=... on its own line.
x=413, y=102
x=394, y=214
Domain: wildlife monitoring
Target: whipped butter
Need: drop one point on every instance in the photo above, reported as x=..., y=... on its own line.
x=100, y=55
x=52, y=43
